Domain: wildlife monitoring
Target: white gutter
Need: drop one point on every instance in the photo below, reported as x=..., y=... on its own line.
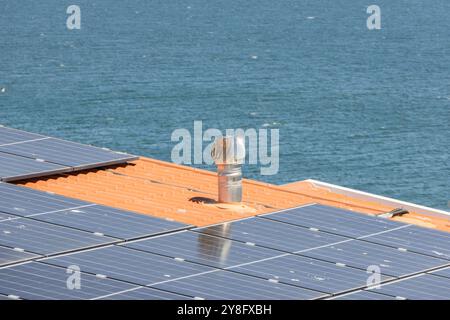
x=381, y=200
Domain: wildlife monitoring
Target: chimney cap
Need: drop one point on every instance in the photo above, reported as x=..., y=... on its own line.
x=229, y=149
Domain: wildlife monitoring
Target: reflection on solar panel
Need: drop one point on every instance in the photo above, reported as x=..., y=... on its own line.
x=422, y=287
x=308, y=273
x=282, y=236
x=25, y=155
x=146, y=294
x=44, y=238
x=66, y=153
x=203, y=249
x=34, y=280
x=334, y=220
x=8, y=256
x=361, y=254
x=417, y=239
x=129, y=265
x=365, y=295
x=14, y=167
x=225, y=285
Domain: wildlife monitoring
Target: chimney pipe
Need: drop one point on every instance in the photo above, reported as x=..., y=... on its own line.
x=228, y=152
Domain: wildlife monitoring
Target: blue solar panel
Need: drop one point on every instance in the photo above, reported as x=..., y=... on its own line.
x=272, y=234
x=203, y=249
x=333, y=220
x=308, y=273
x=365, y=295
x=67, y=153
x=44, y=238
x=9, y=256
x=443, y=273
x=361, y=254
x=111, y=222
x=15, y=168
x=25, y=201
x=146, y=294
x=224, y=285
x=417, y=239
x=422, y=287
x=129, y=265
x=26, y=155
x=38, y=281
x=9, y=135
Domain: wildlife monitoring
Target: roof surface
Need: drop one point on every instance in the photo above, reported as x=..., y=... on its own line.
x=189, y=195
x=304, y=240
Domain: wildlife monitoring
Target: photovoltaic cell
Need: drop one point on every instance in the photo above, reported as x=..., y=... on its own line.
x=204, y=249
x=146, y=294
x=308, y=273
x=24, y=201
x=422, y=287
x=14, y=167
x=334, y=220
x=443, y=273
x=44, y=238
x=9, y=256
x=225, y=285
x=365, y=295
x=417, y=239
x=39, y=281
x=66, y=153
x=129, y=265
x=272, y=234
x=9, y=135
x=46, y=207
x=361, y=254
x=26, y=155
x=111, y=222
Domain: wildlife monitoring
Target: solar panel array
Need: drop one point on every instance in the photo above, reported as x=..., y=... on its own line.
x=301, y=253
x=26, y=155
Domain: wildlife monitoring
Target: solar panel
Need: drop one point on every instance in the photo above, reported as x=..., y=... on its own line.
x=145, y=294
x=81, y=215
x=37, y=281
x=26, y=155
x=417, y=239
x=24, y=201
x=361, y=254
x=9, y=135
x=442, y=273
x=67, y=153
x=422, y=287
x=272, y=234
x=203, y=249
x=129, y=265
x=225, y=285
x=111, y=222
x=15, y=168
x=44, y=238
x=333, y=220
x=308, y=273
x=364, y=295
x=9, y=256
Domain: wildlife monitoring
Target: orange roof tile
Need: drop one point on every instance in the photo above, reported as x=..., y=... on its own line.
x=187, y=194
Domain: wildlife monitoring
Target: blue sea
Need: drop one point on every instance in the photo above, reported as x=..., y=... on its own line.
x=366, y=109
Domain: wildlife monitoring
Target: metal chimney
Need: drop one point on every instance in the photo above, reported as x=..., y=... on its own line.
x=228, y=152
